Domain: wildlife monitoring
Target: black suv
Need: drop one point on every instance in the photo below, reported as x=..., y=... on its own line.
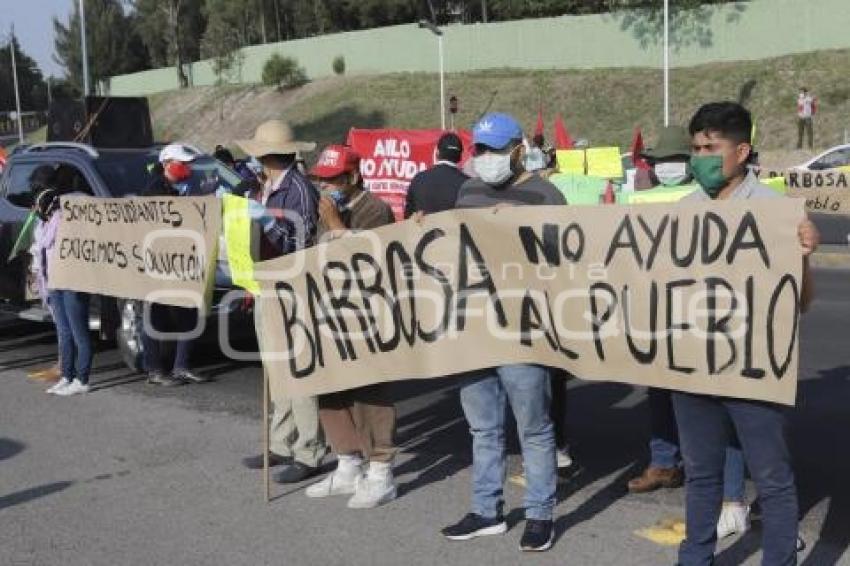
x=108, y=173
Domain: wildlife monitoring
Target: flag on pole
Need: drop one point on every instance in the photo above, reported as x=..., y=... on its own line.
x=538, y=129
x=562, y=136
x=24, y=240
x=637, y=149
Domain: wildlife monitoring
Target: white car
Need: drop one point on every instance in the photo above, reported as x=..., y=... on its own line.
x=833, y=158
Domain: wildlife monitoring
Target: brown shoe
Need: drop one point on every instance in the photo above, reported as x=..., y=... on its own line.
x=48, y=375
x=653, y=478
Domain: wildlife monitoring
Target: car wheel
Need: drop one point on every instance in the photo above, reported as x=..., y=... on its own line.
x=129, y=335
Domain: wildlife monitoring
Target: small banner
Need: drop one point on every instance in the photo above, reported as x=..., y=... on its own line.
x=390, y=159
x=156, y=249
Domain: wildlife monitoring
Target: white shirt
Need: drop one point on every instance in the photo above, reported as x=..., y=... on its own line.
x=805, y=105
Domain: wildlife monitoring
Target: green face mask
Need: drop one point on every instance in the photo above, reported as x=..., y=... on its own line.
x=708, y=172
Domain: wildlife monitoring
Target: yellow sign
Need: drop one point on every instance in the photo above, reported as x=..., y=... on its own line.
x=776, y=183
x=237, y=237
x=659, y=194
x=604, y=162
x=570, y=161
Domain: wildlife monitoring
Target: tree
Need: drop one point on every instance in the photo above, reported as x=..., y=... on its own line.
x=172, y=31
x=221, y=45
x=31, y=83
x=113, y=47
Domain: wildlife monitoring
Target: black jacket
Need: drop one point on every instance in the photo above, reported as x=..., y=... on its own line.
x=434, y=190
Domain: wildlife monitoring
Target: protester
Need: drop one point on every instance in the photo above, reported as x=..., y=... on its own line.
x=499, y=157
x=435, y=189
x=41, y=179
x=171, y=178
x=668, y=167
x=807, y=107
x=359, y=423
x=69, y=309
x=536, y=158
x=721, y=148
x=296, y=438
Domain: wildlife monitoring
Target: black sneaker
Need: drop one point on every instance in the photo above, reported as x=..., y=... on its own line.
x=189, y=377
x=474, y=525
x=295, y=472
x=158, y=378
x=256, y=462
x=538, y=536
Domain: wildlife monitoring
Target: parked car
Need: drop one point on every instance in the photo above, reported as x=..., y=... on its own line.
x=833, y=158
x=107, y=173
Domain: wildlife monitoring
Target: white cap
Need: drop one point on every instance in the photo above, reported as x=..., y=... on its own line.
x=178, y=152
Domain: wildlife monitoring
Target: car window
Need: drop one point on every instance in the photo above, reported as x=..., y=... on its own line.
x=18, y=190
x=833, y=159
x=208, y=174
x=125, y=173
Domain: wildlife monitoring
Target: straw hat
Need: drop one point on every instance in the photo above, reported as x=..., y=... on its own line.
x=274, y=137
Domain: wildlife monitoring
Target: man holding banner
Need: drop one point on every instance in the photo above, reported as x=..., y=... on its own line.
x=721, y=148
x=499, y=155
x=359, y=423
x=296, y=436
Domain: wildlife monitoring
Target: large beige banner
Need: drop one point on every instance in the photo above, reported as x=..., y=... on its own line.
x=701, y=298
x=158, y=249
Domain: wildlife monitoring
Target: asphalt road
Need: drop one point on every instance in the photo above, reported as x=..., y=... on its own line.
x=136, y=475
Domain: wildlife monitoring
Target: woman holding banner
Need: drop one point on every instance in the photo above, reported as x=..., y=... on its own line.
x=70, y=309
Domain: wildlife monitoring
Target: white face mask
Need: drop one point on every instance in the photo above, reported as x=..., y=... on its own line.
x=493, y=168
x=671, y=173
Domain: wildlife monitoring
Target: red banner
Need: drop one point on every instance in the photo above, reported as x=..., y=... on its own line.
x=391, y=158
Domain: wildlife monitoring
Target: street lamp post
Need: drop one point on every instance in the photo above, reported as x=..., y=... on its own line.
x=439, y=33
x=84, y=48
x=17, y=90
x=666, y=63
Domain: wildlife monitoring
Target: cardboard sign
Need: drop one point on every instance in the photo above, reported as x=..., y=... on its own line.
x=157, y=249
x=391, y=158
x=571, y=161
x=604, y=162
x=698, y=297
x=825, y=201
x=826, y=179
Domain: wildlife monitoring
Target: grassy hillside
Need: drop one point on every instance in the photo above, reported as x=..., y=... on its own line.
x=602, y=105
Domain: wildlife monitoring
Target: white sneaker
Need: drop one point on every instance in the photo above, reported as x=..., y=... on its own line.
x=734, y=519
x=335, y=483
x=562, y=458
x=59, y=385
x=375, y=489
x=75, y=388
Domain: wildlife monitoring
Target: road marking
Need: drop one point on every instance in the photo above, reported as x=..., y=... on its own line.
x=666, y=532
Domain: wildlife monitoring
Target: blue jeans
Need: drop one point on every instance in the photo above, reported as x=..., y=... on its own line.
x=663, y=436
x=484, y=399
x=705, y=430
x=70, y=311
x=168, y=319
x=734, y=471
x=664, y=445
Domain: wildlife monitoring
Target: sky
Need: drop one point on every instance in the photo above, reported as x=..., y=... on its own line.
x=33, y=20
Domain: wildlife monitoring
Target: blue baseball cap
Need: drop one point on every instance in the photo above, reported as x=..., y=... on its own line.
x=496, y=130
